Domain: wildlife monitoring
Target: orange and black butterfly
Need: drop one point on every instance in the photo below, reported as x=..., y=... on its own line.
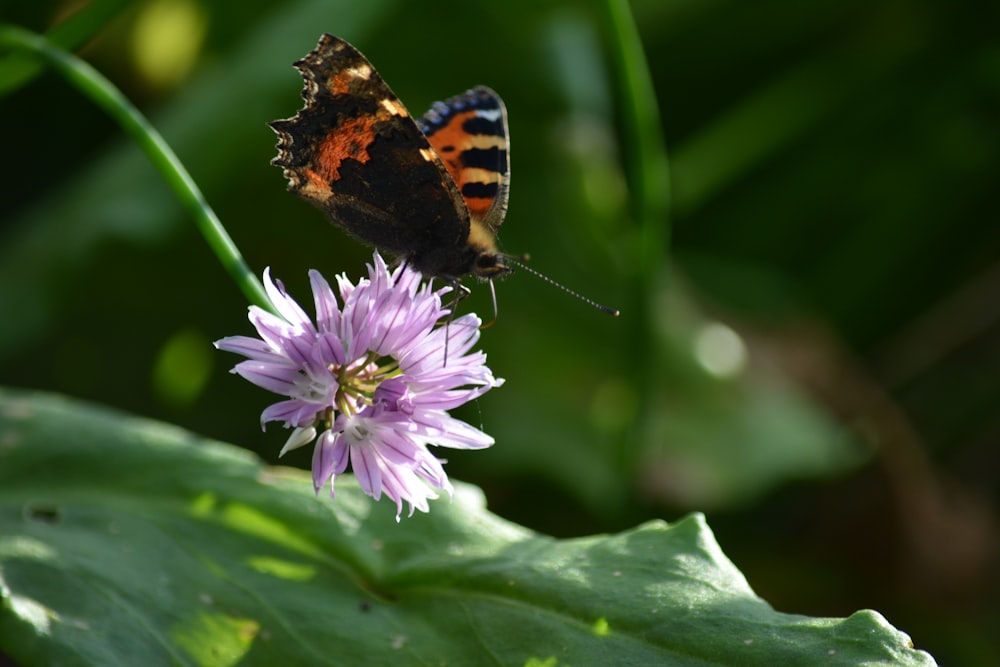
x=432, y=190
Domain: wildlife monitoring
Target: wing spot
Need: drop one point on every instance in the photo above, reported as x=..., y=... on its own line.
x=393, y=107
x=492, y=115
x=362, y=71
x=427, y=154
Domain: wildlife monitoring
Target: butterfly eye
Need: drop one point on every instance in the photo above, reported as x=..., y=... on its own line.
x=488, y=261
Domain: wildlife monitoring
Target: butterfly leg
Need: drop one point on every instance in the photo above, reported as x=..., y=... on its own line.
x=460, y=292
x=493, y=296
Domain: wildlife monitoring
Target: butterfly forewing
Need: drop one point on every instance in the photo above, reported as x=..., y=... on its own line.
x=355, y=152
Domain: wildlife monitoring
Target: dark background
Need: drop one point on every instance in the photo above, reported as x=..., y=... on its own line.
x=830, y=212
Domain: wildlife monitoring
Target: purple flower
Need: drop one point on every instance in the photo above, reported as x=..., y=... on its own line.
x=368, y=381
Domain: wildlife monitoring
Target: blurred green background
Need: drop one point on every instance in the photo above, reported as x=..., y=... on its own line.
x=809, y=346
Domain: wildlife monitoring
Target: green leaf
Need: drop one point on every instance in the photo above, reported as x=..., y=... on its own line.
x=125, y=541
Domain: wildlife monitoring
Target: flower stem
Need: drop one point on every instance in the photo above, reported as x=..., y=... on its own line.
x=104, y=94
x=645, y=159
x=645, y=154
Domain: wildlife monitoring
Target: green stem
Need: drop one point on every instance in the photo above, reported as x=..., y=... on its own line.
x=103, y=93
x=645, y=163
x=645, y=154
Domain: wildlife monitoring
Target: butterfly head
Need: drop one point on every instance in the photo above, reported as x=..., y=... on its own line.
x=491, y=265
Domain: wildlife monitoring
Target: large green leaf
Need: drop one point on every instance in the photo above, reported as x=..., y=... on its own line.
x=125, y=541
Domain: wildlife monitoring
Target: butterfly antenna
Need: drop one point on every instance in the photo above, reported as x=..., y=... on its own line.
x=613, y=312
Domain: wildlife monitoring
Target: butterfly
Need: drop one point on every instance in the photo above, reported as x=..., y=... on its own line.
x=431, y=190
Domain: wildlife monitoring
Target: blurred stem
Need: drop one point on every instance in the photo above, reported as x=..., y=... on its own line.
x=103, y=93
x=68, y=33
x=645, y=162
x=645, y=155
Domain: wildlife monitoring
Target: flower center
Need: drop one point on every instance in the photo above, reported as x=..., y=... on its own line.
x=359, y=379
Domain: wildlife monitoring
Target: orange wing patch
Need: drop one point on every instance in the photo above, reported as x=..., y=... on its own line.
x=350, y=141
x=469, y=133
x=452, y=142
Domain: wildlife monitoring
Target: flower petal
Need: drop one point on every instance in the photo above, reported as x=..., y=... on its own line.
x=274, y=377
x=324, y=460
x=366, y=470
x=327, y=308
x=300, y=436
x=253, y=348
x=284, y=304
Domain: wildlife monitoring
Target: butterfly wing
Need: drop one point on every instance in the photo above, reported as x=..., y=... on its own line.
x=356, y=152
x=469, y=133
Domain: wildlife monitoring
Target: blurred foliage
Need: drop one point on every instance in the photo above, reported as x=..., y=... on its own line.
x=816, y=366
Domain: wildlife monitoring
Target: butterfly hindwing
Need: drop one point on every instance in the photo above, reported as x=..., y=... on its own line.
x=469, y=133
